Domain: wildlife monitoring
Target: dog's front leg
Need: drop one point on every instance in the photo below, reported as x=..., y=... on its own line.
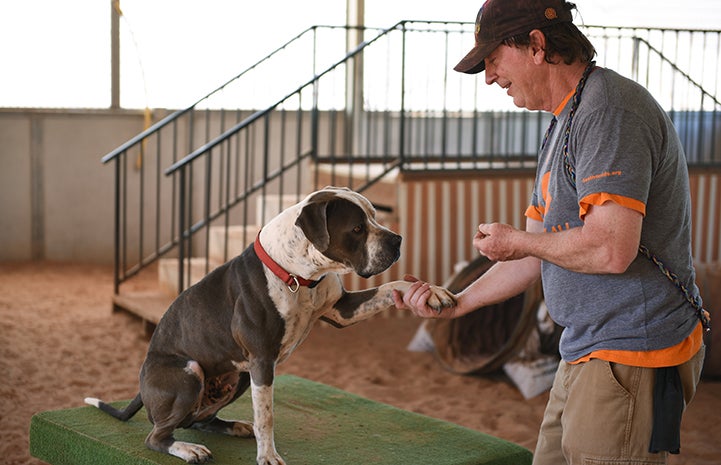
x=353, y=307
x=261, y=375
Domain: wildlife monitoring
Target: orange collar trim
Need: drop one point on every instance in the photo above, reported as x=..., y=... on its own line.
x=563, y=103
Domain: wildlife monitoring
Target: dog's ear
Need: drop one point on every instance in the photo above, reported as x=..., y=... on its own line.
x=313, y=222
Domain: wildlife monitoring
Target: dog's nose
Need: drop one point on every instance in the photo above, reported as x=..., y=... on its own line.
x=396, y=240
x=395, y=245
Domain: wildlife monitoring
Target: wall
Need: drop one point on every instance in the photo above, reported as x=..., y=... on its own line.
x=56, y=198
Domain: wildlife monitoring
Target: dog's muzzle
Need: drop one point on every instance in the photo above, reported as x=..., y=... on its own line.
x=382, y=253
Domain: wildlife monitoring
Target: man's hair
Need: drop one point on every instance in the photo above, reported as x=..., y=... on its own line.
x=563, y=41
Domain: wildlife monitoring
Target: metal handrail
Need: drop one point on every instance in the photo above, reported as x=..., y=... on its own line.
x=259, y=114
x=178, y=113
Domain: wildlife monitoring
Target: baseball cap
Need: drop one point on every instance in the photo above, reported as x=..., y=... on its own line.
x=499, y=20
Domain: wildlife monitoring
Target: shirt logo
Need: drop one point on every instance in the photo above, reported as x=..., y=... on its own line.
x=605, y=174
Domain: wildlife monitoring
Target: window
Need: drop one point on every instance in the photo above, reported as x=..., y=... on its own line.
x=55, y=54
x=172, y=52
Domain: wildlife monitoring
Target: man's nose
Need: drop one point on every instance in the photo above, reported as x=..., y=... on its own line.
x=490, y=73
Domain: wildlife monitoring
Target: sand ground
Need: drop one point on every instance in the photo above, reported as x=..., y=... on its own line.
x=60, y=342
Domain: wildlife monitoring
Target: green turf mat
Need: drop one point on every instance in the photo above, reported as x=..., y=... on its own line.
x=314, y=424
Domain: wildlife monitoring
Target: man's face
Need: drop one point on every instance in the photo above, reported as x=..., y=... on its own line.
x=513, y=69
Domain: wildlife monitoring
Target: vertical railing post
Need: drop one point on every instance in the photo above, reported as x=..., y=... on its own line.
x=635, y=58
x=402, y=128
x=181, y=227
x=266, y=167
x=124, y=214
x=314, y=122
x=140, y=166
x=226, y=216
x=208, y=193
x=116, y=239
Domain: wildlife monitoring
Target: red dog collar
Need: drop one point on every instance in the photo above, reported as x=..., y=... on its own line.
x=292, y=281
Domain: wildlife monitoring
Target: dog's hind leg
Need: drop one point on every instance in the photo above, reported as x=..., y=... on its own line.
x=172, y=391
x=161, y=439
x=241, y=429
x=191, y=453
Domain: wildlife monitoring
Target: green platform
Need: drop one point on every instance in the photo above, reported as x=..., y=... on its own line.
x=314, y=424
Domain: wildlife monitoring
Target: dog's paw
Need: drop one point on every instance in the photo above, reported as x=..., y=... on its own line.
x=242, y=429
x=270, y=459
x=191, y=453
x=441, y=298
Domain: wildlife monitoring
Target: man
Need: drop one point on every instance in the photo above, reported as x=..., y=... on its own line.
x=611, y=180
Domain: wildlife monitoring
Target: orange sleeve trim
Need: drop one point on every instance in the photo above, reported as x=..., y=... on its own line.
x=600, y=198
x=534, y=213
x=668, y=357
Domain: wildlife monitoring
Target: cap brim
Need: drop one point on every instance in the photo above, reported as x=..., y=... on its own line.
x=474, y=61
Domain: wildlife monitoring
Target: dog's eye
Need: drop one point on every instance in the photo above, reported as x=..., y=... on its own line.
x=358, y=229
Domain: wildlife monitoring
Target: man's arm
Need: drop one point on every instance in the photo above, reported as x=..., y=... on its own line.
x=501, y=282
x=606, y=243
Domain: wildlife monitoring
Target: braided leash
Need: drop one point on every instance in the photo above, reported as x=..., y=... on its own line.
x=570, y=171
x=695, y=301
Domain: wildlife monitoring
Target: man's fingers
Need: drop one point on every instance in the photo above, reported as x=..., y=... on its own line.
x=398, y=299
x=483, y=230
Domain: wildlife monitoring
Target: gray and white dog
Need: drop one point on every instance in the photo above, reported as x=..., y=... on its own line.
x=228, y=331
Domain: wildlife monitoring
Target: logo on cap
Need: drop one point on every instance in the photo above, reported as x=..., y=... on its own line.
x=550, y=13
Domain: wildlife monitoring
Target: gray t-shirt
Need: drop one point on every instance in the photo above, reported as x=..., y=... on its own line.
x=624, y=148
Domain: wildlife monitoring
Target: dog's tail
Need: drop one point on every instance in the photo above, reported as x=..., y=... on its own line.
x=122, y=415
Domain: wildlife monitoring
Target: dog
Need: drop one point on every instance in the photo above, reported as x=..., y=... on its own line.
x=227, y=332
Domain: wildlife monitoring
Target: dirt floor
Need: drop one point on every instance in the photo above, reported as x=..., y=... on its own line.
x=60, y=342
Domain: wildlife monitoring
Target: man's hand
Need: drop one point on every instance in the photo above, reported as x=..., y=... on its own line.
x=495, y=241
x=416, y=298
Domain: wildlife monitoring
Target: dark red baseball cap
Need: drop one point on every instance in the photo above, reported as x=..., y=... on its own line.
x=499, y=20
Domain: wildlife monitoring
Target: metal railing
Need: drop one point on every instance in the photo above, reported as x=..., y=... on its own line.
x=146, y=201
x=681, y=68
x=390, y=104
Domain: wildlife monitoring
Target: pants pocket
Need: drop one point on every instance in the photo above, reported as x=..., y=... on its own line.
x=608, y=415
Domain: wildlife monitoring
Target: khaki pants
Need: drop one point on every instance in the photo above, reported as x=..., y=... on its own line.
x=601, y=413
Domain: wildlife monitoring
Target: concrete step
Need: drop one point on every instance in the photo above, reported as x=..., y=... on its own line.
x=195, y=269
x=238, y=237
x=274, y=204
x=148, y=305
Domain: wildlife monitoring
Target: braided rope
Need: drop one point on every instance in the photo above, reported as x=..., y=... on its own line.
x=551, y=125
x=695, y=301
x=570, y=171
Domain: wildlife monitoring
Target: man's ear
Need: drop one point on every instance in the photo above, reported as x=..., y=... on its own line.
x=313, y=222
x=537, y=46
